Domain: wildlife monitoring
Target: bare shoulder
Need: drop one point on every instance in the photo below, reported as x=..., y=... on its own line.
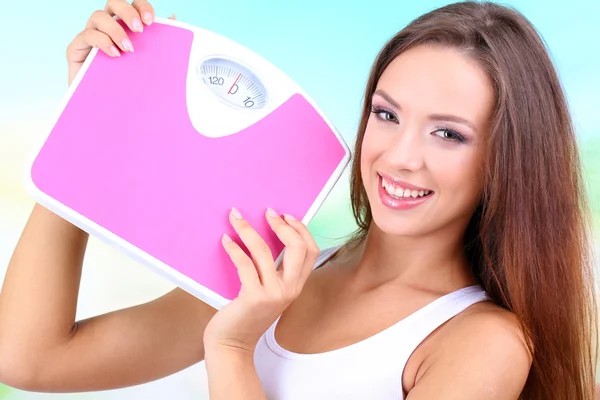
x=484, y=323
x=479, y=354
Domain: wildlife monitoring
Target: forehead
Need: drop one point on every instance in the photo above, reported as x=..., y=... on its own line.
x=433, y=79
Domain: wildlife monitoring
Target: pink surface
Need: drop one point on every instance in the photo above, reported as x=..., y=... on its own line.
x=125, y=155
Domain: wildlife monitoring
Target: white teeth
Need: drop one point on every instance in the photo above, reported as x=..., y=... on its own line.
x=401, y=192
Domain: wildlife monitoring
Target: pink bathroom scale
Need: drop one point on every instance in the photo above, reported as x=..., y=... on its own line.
x=150, y=151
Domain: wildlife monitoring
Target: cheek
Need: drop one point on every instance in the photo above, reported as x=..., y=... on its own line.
x=457, y=174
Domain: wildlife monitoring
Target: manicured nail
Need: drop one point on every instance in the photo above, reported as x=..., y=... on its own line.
x=148, y=17
x=236, y=213
x=272, y=213
x=137, y=25
x=114, y=51
x=227, y=238
x=289, y=217
x=127, y=44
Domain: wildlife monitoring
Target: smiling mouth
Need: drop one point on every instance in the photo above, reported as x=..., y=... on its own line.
x=398, y=192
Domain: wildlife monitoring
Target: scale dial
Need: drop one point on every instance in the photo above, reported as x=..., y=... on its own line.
x=233, y=83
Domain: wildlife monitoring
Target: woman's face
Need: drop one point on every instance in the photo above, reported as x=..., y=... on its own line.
x=421, y=153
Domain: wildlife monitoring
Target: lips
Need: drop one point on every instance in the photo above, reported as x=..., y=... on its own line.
x=400, y=192
x=400, y=188
x=399, y=195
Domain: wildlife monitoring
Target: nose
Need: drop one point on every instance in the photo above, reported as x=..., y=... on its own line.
x=406, y=150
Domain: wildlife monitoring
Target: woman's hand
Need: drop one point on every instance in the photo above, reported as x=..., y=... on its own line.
x=266, y=291
x=232, y=334
x=104, y=32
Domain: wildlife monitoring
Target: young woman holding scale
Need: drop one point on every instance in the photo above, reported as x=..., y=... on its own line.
x=468, y=278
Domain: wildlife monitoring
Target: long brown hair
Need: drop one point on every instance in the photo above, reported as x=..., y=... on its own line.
x=529, y=239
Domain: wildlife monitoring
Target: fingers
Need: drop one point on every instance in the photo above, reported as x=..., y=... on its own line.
x=104, y=23
x=298, y=259
x=104, y=32
x=312, y=249
x=126, y=12
x=258, y=248
x=94, y=38
x=132, y=14
x=145, y=10
x=295, y=247
x=245, y=266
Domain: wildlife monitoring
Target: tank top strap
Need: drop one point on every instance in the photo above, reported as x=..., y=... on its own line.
x=419, y=325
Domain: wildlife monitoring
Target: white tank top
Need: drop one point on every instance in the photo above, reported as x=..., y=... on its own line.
x=369, y=369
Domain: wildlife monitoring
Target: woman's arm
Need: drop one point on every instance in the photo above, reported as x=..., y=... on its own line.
x=232, y=376
x=43, y=349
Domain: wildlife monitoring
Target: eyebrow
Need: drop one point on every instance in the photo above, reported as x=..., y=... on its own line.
x=433, y=117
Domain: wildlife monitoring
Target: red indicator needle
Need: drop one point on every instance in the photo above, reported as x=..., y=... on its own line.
x=236, y=80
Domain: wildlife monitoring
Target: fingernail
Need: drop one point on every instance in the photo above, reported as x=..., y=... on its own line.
x=227, y=238
x=127, y=44
x=236, y=213
x=137, y=25
x=289, y=217
x=148, y=17
x=272, y=213
x=114, y=51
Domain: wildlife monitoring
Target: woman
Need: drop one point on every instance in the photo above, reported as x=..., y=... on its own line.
x=468, y=277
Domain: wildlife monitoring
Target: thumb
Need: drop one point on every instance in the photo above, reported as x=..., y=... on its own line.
x=172, y=16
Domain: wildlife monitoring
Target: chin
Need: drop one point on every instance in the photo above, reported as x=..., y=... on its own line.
x=394, y=225
x=419, y=223
x=401, y=217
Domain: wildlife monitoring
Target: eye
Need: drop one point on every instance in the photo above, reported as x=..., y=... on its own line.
x=384, y=115
x=449, y=135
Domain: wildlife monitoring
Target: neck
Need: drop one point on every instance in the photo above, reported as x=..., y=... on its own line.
x=435, y=262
